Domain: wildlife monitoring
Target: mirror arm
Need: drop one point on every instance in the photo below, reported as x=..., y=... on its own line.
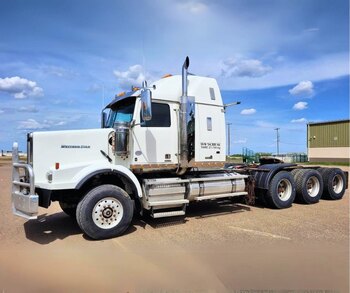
x=133, y=124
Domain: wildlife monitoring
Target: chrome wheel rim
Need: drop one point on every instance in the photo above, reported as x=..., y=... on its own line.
x=313, y=186
x=337, y=183
x=107, y=213
x=284, y=189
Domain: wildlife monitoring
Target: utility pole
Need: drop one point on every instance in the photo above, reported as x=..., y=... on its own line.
x=278, y=140
x=228, y=138
x=228, y=126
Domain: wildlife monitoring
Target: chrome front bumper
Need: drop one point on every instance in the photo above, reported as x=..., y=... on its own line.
x=25, y=202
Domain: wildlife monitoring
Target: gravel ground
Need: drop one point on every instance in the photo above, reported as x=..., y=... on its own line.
x=219, y=247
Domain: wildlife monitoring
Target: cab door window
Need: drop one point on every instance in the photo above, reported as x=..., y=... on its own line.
x=160, y=116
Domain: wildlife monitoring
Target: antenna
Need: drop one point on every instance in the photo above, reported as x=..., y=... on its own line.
x=143, y=59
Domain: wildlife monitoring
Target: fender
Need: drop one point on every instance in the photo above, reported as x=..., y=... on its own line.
x=264, y=173
x=87, y=173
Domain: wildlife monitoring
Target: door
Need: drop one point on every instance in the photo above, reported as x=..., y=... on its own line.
x=156, y=141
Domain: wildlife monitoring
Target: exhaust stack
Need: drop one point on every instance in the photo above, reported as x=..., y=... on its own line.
x=183, y=119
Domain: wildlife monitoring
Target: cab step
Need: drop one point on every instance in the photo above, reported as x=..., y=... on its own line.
x=168, y=214
x=168, y=202
x=159, y=212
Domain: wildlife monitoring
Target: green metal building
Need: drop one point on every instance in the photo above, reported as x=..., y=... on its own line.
x=328, y=141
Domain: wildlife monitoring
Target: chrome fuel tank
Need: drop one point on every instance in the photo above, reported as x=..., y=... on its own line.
x=210, y=184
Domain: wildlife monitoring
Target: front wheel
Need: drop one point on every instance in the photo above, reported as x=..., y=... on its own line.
x=69, y=208
x=281, y=192
x=105, y=212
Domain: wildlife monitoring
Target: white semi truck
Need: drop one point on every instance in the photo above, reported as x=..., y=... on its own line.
x=159, y=149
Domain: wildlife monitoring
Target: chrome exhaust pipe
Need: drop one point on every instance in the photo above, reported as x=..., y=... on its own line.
x=184, y=76
x=183, y=119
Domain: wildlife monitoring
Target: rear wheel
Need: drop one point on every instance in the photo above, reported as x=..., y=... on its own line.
x=295, y=172
x=309, y=186
x=281, y=192
x=334, y=183
x=105, y=212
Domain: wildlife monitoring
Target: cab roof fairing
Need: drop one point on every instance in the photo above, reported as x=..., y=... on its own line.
x=169, y=89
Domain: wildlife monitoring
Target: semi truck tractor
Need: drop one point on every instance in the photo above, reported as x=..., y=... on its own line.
x=159, y=148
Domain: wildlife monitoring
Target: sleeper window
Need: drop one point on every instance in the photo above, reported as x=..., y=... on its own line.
x=209, y=124
x=212, y=93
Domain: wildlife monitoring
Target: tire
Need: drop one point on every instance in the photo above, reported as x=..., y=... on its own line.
x=309, y=186
x=105, y=212
x=295, y=172
x=69, y=208
x=281, y=192
x=334, y=183
x=322, y=170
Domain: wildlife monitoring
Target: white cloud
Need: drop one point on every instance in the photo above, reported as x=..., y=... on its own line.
x=244, y=68
x=300, y=106
x=19, y=87
x=95, y=88
x=301, y=120
x=303, y=88
x=312, y=30
x=244, y=140
x=264, y=124
x=31, y=124
x=61, y=123
x=58, y=71
x=289, y=72
x=29, y=109
x=195, y=7
x=248, y=111
x=134, y=76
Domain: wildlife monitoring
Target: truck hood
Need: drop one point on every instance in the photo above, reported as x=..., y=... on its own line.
x=69, y=149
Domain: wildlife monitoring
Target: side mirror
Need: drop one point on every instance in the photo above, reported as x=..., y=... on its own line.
x=146, y=103
x=103, y=119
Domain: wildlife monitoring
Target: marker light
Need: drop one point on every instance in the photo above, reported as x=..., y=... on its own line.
x=57, y=166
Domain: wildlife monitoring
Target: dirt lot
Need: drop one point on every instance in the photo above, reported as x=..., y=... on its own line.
x=218, y=247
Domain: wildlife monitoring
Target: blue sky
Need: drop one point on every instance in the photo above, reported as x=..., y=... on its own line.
x=286, y=61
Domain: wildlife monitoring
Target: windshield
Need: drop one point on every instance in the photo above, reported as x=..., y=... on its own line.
x=122, y=111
